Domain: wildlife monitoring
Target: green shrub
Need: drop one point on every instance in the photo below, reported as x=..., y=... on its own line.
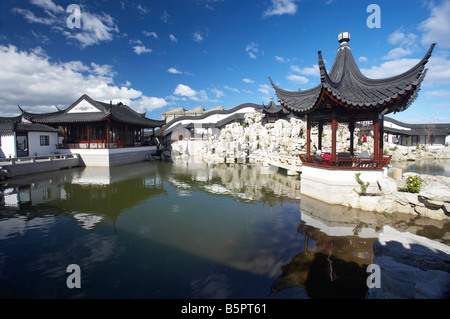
x=362, y=184
x=413, y=184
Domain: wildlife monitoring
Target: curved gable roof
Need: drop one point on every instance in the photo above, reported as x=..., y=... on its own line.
x=93, y=111
x=345, y=85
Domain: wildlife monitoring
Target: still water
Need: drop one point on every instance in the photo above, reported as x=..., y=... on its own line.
x=184, y=230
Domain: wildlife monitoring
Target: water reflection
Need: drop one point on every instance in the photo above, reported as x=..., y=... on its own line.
x=187, y=230
x=429, y=166
x=90, y=195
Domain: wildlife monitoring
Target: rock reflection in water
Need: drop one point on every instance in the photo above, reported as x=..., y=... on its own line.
x=245, y=182
x=212, y=217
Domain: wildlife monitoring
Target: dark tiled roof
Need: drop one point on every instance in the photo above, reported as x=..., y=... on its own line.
x=223, y=122
x=348, y=87
x=117, y=112
x=417, y=129
x=272, y=108
x=15, y=124
x=34, y=127
x=8, y=124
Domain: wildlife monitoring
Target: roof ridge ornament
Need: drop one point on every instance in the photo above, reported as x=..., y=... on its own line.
x=343, y=39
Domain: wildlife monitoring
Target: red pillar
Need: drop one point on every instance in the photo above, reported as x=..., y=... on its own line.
x=88, y=137
x=107, y=135
x=351, y=128
x=381, y=141
x=334, y=128
x=376, y=137
x=308, y=137
x=319, y=137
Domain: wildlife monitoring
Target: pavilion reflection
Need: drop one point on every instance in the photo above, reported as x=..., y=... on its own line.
x=329, y=266
x=338, y=247
x=90, y=195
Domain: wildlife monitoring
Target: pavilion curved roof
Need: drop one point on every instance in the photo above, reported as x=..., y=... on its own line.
x=346, y=86
x=99, y=112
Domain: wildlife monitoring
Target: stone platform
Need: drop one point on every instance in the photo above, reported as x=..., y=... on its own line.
x=331, y=185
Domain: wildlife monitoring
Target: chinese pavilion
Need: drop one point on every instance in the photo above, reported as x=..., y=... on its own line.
x=273, y=112
x=346, y=96
x=92, y=124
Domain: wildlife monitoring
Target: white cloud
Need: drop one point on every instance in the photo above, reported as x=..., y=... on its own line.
x=165, y=17
x=142, y=10
x=279, y=59
x=398, y=37
x=48, y=5
x=173, y=38
x=150, y=34
x=139, y=49
x=252, y=49
x=280, y=7
x=31, y=80
x=406, y=45
x=31, y=18
x=363, y=59
x=231, y=89
x=265, y=88
x=218, y=93
x=186, y=91
x=95, y=28
x=314, y=70
x=197, y=37
x=148, y=103
x=297, y=78
x=438, y=70
x=438, y=94
x=397, y=53
x=389, y=68
x=247, y=80
x=174, y=71
x=437, y=27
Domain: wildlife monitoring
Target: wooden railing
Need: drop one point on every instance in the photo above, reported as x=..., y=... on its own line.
x=356, y=163
x=99, y=144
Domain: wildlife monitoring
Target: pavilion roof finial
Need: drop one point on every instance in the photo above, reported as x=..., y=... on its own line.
x=344, y=37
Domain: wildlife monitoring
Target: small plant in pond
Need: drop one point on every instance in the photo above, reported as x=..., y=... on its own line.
x=362, y=184
x=413, y=184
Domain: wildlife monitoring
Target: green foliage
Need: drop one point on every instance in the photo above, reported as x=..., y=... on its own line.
x=408, y=140
x=362, y=184
x=413, y=184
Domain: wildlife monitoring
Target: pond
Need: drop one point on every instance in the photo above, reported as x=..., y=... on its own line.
x=163, y=230
x=429, y=166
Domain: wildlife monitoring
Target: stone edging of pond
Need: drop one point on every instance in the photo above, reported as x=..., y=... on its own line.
x=433, y=199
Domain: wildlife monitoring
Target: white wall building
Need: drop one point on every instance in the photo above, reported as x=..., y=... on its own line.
x=20, y=138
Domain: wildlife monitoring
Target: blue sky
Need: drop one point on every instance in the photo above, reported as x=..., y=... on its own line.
x=160, y=55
